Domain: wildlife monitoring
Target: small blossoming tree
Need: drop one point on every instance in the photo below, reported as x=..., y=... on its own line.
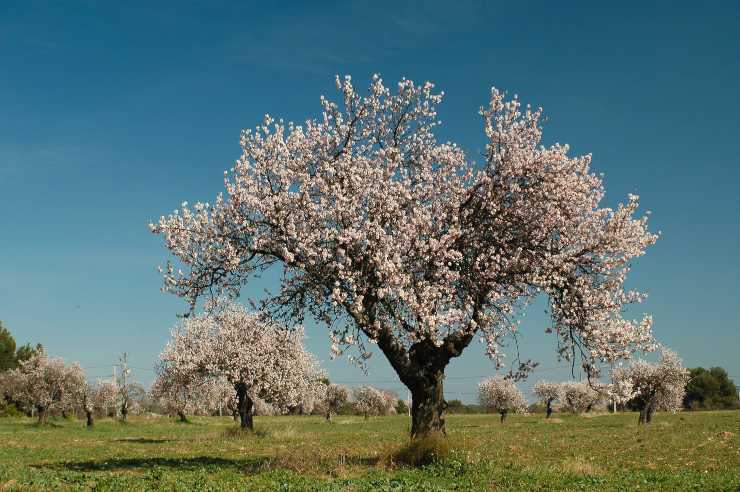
x=335, y=396
x=579, y=397
x=389, y=236
x=372, y=401
x=547, y=392
x=95, y=398
x=182, y=392
x=502, y=396
x=660, y=386
x=45, y=383
x=259, y=358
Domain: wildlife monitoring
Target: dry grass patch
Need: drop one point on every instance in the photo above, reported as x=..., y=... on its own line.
x=579, y=466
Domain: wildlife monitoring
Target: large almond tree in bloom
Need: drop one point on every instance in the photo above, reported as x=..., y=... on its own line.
x=259, y=358
x=389, y=236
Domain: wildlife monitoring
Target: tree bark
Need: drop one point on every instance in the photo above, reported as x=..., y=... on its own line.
x=428, y=405
x=328, y=415
x=649, y=413
x=549, y=409
x=41, y=411
x=90, y=420
x=245, y=407
x=235, y=414
x=503, y=415
x=183, y=417
x=420, y=367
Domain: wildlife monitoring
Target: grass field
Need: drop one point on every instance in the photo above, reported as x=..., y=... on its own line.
x=686, y=451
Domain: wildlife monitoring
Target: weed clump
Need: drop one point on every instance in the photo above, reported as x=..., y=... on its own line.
x=423, y=451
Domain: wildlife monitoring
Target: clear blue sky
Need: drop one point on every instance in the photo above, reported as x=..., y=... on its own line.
x=112, y=113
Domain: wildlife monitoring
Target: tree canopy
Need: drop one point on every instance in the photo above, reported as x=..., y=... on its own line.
x=710, y=389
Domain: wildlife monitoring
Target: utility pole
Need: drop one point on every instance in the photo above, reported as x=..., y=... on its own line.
x=614, y=396
x=115, y=383
x=124, y=386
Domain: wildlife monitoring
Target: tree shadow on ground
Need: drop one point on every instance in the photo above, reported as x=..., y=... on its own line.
x=249, y=465
x=143, y=440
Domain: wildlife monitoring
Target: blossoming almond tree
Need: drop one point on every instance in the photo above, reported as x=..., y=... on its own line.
x=502, y=396
x=389, y=236
x=99, y=397
x=578, y=397
x=660, y=386
x=183, y=392
x=259, y=358
x=45, y=383
x=547, y=392
x=335, y=396
x=369, y=401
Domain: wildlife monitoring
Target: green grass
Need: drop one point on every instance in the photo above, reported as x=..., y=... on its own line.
x=686, y=451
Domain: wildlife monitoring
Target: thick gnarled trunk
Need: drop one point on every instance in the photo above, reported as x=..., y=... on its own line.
x=89, y=415
x=503, y=415
x=245, y=407
x=421, y=368
x=182, y=416
x=428, y=405
x=549, y=409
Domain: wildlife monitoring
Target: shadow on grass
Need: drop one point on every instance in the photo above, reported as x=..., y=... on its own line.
x=250, y=465
x=143, y=440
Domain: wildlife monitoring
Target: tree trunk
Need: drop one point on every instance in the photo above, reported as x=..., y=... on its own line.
x=183, y=417
x=124, y=412
x=64, y=414
x=328, y=415
x=649, y=413
x=41, y=411
x=89, y=415
x=549, y=409
x=235, y=414
x=421, y=368
x=428, y=405
x=503, y=415
x=245, y=407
